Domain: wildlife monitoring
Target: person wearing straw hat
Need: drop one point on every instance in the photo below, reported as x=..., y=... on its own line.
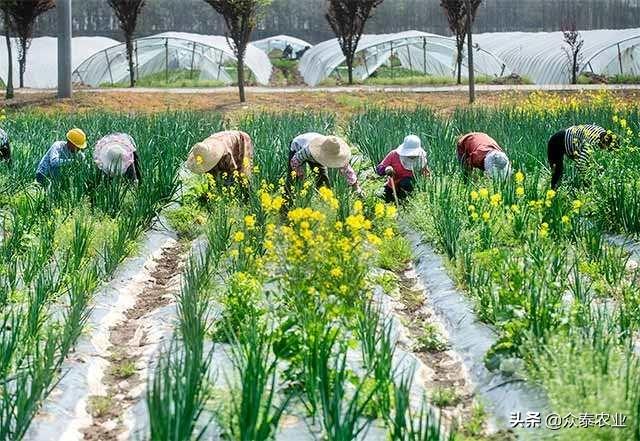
x=401, y=166
x=227, y=153
x=5, y=147
x=322, y=153
x=480, y=151
x=61, y=153
x=116, y=155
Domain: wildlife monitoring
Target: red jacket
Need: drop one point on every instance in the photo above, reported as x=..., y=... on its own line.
x=399, y=172
x=473, y=148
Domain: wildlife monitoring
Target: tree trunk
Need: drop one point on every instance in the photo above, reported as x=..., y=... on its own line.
x=7, y=33
x=349, y=61
x=132, y=72
x=472, y=85
x=241, y=77
x=459, y=61
x=22, y=60
x=574, y=69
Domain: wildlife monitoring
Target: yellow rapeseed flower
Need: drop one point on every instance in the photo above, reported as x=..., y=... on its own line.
x=551, y=194
x=336, y=272
x=565, y=219
x=250, y=222
x=515, y=208
x=357, y=206
x=379, y=210
x=239, y=236
x=483, y=192
x=486, y=216
x=388, y=233
x=474, y=216
x=496, y=199
x=277, y=202
x=392, y=211
x=474, y=195
x=520, y=191
x=471, y=208
x=519, y=176
x=577, y=204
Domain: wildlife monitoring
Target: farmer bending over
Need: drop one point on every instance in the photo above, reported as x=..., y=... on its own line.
x=321, y=152
x=59, y=154
x=480, y=151
x=227, y=153
x=577, y=143
x=116, y=155
x=401, y=165
x=5, y=148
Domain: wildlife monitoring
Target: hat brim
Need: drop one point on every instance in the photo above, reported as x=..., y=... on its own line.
x=80, y=147
x=210, y=153
x=410, y=152
x=331, y=161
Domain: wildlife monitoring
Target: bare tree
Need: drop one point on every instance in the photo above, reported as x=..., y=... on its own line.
x=127, y=12
x=23, y=16
x=456, y=12
x=241, y=18
x=5, y=6
x=347, y=18
x=573, y=49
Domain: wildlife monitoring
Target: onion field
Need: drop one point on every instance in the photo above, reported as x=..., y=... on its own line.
x=477, y=310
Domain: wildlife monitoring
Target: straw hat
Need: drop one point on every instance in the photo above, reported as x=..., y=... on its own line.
x=411, y=147
x=330, y=151
x=205, y=155
x=113, y=158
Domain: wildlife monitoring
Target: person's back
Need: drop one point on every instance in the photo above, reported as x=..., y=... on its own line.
x=49, y=163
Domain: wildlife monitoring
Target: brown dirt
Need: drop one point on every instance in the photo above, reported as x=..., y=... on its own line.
x=344, y=104
x=448, y=372
x=124, y=353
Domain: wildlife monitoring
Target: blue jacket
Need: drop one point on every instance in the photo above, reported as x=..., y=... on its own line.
x=57, y=155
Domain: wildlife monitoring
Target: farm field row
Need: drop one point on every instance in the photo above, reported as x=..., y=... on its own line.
x=297, y=317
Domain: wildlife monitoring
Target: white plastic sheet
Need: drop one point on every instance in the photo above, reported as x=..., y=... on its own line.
x=206, y=54
x=420, y=51
x=42, y=59
x=280, y=42
x=540, y=57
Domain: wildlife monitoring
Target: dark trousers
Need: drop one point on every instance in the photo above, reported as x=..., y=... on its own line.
x=403, y=189
x=555, y=154
x=322, y=179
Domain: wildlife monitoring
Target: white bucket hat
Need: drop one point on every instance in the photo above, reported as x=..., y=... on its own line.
x=497, y=165
x=411, y=147
x=330, y=151
x=113, y=157
x=206, y=155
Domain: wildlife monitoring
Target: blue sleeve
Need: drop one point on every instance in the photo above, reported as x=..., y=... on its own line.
x=55, y=158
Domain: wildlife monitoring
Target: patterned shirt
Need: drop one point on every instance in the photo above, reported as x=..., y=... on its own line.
x=238, y=154
x=57, y=155
x=302, y=154
x=580, y=140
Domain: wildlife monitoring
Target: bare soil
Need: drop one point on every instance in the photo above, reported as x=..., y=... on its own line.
x=122, y=377
x=343, y=104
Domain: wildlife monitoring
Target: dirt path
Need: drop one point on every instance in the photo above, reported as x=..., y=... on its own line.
x=123, y=381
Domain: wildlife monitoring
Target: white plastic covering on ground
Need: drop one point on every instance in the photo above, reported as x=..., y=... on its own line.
x=419, y=51
x=280, y=42
x=540, y=57
x=42, y=59
x=471, y=339
x=206, y=54
x=631, y=246
x=64, y=414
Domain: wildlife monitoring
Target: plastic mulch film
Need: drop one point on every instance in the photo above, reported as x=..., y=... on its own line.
x=64, y=414
x=471, y=339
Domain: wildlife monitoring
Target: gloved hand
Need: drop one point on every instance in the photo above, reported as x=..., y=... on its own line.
x=389, y=171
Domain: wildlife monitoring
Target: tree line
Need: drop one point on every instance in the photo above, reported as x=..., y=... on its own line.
x=304, y=18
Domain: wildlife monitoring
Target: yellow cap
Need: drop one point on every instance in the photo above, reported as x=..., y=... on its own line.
x=77, y=138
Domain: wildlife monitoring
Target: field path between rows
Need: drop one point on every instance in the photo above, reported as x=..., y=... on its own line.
x=124, y=379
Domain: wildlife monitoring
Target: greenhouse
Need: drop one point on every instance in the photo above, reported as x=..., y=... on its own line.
x=43, y=57
x=417, y=51
x=280, y=42
x=541, y=57
x=206, y=57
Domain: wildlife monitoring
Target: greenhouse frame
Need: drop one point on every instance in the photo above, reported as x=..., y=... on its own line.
x=203, y=55
x=280, y=42
x=428, y=53
x=540, y=57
